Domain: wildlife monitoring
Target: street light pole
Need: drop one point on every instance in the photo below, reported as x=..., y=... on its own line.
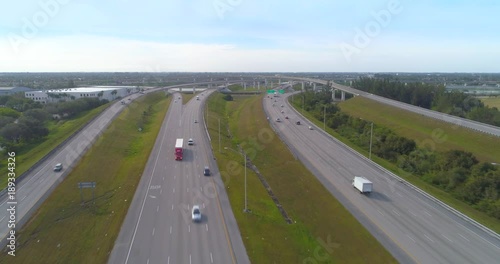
x=371, y=137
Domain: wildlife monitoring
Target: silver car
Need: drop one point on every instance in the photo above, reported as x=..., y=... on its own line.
x=196, y=213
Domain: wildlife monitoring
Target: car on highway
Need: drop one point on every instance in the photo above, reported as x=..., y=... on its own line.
x=286, y=117
x=196, y=121
x=310, y=128
x=206, y=171
x=282, y=106
x=278, y=119
x=298, y=122
x=190, y=141
x=179, y=97
x=282, y=111
x=196, y=213
x=58, y=167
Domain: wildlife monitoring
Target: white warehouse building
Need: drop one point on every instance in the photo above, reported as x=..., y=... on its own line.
x=101, y=92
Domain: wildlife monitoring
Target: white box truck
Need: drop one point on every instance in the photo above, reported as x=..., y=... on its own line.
x=362, y=184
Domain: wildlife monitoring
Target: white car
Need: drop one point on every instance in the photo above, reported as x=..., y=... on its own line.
x=196, y=213
x=310, y=128
x=190, y=141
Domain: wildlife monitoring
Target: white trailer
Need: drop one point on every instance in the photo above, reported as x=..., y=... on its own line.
x=362, y=184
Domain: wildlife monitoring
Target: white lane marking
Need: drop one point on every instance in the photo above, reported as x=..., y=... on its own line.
x=380, y=212
x=189, y=228
x=428, y=238
x=187, y=189
x=211, y=258
x=175, y=177
x=157, y=208
x=153, y=234
x=411, y=238
x=427, y=213
x=206, y=226
x=168, y=260
x=170, y=229
x=23, y=198
x=189, y=258
x=400, y=195
x=161, y=190
x=395, y=212
x=446, y=237
x=201, y=189
x=147, y=262
x=464, y=238
x=163, y=177
x=412, y=213
x=174, y=190
x=203, y=205
x=172, y=207
x=2, y=219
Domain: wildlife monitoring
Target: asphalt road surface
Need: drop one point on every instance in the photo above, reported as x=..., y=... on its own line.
x=158, y=227
x=411, y=226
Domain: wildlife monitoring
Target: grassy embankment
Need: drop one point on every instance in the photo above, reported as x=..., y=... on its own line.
x=316, y=214
x=491, y=101
x=421, y=129
x=63, y=231
x=58, y=132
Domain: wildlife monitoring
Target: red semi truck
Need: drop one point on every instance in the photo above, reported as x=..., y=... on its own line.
x=178, y=149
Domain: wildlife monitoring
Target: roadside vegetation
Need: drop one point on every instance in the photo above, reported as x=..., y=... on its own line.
x=322, y=230
x=431, y=96
x=63, y=230
x=433, y=155
x=32, y=130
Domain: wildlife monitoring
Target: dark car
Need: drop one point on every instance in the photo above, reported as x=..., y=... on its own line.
x=206, y=171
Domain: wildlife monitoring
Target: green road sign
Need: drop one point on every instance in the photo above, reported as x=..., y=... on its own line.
x=270, y=91
x=282, y=91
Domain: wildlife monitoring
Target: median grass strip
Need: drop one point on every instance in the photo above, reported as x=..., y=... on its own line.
x=59, y=131
x=62, y=230
x=323, y=231
x=385, y=115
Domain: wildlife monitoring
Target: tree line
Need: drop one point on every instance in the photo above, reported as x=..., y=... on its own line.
x=431, y=96
x=23, y=121
x=456, y=172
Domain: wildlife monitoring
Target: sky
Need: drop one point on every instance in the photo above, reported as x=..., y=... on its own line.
x=250, y=36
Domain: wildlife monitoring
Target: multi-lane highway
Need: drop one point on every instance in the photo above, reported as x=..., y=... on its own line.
x=411, y=226
x=158, y=227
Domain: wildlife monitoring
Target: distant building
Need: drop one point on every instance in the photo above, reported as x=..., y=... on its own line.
x=101, y=92
x=13, y=90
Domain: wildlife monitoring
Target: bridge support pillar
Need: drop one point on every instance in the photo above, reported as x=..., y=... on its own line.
x=303, y=89
x=342, y=96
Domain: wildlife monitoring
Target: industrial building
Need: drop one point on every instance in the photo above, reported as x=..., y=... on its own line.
x=102, y=92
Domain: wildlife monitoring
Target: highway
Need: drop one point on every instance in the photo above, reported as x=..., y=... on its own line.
x=158, y=226
x=414, y=228
x=456, y=121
